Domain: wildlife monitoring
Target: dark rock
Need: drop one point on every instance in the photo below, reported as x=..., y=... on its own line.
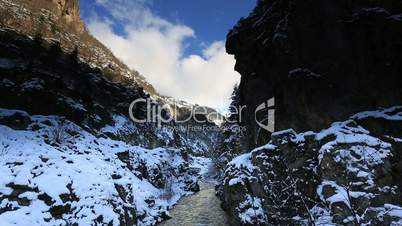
x=192, y=186
x=58, y=211
x=128, y=215
x=46, y=198
x=16, y=119
x=116, y=176
x=322, y=60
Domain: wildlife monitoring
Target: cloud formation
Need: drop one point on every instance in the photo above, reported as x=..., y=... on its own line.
x=155, y=46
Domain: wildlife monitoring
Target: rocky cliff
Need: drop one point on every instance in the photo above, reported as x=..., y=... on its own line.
x=59, y=20
x=321, y=60
x=347, y=174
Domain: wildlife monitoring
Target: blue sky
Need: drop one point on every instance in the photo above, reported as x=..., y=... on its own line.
x=185, y=38
x=211, y=19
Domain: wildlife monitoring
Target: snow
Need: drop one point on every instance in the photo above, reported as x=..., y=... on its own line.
x=378, y=10
x=302, y=72
x=121, y=124
x=243, y=161
x=83, y=166
x=345, y=133
x=341, y=193
x=283, y=132
x=7, y=83
x=251, y=211
x=33, y=84
x=8, y=113
x=264, y=147
x=397, y=17
x=165, y=133
x=389, y=114
x=203, y=164
x=74, y=104
x=393, y=210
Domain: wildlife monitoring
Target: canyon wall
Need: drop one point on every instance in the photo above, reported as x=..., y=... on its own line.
x=321, y=60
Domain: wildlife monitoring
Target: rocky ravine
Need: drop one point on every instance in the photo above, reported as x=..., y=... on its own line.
x=70, y=155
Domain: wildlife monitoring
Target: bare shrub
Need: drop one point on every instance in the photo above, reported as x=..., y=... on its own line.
x=59, y=133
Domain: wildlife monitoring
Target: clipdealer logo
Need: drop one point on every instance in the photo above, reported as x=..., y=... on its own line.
x=168, y=112
x=264, y=115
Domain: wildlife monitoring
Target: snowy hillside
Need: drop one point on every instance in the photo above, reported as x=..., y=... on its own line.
x=55, y=173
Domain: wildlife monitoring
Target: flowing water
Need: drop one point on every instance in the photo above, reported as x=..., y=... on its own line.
x=202, y=208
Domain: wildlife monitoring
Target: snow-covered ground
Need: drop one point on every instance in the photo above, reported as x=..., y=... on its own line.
x=55, y=173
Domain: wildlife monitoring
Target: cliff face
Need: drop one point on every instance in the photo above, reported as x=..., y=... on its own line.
x=60, y=20
x=321, y=60
x=64, y=12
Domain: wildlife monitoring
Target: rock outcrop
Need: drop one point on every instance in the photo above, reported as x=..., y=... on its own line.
x=321, y=60
x=69, y=10
x=348, y=174
x=59, y=20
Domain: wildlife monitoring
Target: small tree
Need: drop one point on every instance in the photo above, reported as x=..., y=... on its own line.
x=235, y=103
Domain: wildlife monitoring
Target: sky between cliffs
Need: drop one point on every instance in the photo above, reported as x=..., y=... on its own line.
x=178, y=45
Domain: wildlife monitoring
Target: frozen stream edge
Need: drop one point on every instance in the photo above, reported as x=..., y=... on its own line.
x=202, y=208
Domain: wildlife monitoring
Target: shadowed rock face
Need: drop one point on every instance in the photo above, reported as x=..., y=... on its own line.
x=321, y=60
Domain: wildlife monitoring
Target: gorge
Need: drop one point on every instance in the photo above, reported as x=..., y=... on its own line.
x=71, y=153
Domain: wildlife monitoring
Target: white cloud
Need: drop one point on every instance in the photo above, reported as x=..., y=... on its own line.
x=154, y=47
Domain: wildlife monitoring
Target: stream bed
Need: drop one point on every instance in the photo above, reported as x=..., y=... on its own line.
x=202, y=208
